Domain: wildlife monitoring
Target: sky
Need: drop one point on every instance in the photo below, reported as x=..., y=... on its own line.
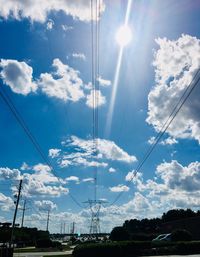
x=46, y=74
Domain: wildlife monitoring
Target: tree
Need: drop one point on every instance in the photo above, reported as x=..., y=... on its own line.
x=119, y=234
x=181, y=235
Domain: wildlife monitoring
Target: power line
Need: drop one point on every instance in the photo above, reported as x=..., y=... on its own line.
x=187, y=92
x=27, y=131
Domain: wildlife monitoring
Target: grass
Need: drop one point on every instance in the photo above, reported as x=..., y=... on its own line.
x=33, y=250
x=68, y=255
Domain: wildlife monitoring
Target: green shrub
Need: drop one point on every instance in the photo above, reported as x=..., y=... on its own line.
x=117, y=249
x=180, y=248
x=181, y=235
x=142, y=237
x=119, y=234
x=43, y=243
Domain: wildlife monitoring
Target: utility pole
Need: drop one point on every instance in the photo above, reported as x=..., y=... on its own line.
x=64, y=228
x=61, y=228
x=48, y=215
x=23, y=209
x=73, y=228
x=15, y=213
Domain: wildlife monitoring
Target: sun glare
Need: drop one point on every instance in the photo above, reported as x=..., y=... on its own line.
x=123, y=36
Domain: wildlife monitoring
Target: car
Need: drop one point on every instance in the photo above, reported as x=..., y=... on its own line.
x=162, y=237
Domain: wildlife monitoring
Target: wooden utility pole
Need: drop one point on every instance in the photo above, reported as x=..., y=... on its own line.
x=23, y=213
x=15, y=213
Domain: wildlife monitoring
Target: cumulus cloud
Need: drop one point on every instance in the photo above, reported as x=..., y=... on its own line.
x=40, y=182
x=66, y=27
x=6, y=203
x=37, y=10
x=99, y=99
x=72, y=178
x=112, y=170
x=25, y=166
x=37, y=185
x=175, y=62
x=45, y=205
x=104, y=82
x=84, y=151
x=64, y=83
x=53, y=153
x=166, y=141
x=18, y=76
x=50, y=24
x=177, y=176
x=119, y=188
x=79, y=56
x=177, y=186
x=11, y=174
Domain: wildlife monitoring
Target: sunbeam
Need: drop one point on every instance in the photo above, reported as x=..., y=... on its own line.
x=117, y=73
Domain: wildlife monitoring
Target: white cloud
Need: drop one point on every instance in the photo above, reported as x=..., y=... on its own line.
x=6, y=173
x=6, y=203
x=177, y=186
x=88, y=180
x=64, y=83
x=53, y=153
x=42, y=182
x=45, y=205
x=72, y=178
x=66, y=27
x=65, y=163
x=151, y=140
x=79, y=56
x=177, y=176
x=50, y=24
x=41, y=168
x=104, y=82
x=99, y=99
x=40, y=185
x=18, y=76
x=175, y=64
x=25, y=166
x=167, y=141
x=37, y=10
x=133, y=176
x=112, y=170
x=106, y=150
x=119, y=188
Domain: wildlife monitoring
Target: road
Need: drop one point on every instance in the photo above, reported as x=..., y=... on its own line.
x=193, y=255
x=41, y=254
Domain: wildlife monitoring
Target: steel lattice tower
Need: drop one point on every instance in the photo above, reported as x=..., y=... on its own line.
x=95, y=207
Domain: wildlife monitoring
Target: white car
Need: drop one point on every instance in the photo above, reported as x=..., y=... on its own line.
x=162, y=237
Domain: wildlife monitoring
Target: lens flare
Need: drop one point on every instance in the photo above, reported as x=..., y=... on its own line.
x=123, y=35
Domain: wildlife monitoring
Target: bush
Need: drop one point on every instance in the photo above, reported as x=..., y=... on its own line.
x=180, y=248
x=119, y=234
x=117, y=249
x=181, y=235
x=142, y=237
x=43, y=243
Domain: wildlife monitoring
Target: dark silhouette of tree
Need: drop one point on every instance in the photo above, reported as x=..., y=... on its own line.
x=119, y=234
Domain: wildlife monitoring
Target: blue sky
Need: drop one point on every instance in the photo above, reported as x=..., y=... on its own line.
x=45, y=68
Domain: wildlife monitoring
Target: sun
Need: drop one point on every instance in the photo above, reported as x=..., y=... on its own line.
x=123, y=35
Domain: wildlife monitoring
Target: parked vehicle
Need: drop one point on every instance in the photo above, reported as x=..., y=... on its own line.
x=162, y=237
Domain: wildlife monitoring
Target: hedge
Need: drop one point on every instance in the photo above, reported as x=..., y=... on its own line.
x=134, y=248
x=116, y=249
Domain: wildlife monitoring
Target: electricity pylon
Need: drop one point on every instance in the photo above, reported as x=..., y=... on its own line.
x=95, y=207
